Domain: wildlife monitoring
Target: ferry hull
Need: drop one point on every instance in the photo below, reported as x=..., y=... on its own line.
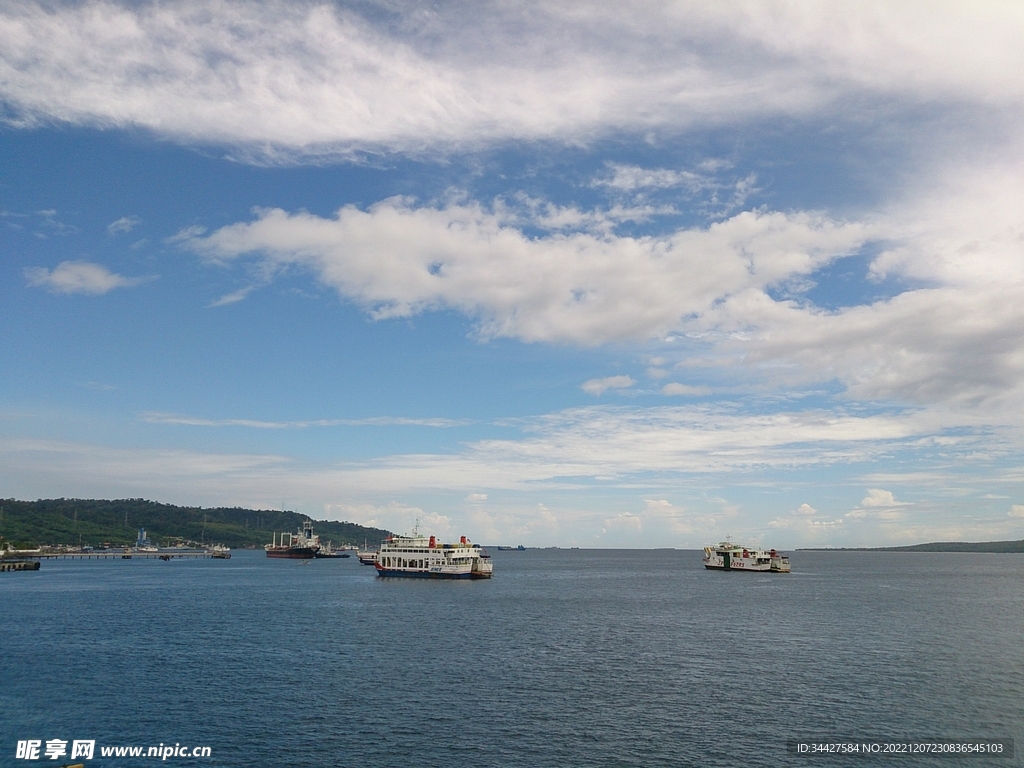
x=738, y=567
x=393, y=572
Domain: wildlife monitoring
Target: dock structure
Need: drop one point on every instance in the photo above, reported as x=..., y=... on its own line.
x=19, y=565
x=109, y=554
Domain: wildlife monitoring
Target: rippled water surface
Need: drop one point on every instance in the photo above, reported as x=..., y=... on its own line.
x=565, y=658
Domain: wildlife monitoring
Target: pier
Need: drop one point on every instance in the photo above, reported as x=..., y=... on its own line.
x=113, y=555
x=19, y=565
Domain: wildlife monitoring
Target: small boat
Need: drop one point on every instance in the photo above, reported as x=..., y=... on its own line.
x=366, y=557
x=779, y=562
x=328, y=551
x=220, y=552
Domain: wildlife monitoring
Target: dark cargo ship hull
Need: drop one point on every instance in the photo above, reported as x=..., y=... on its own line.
x=295, y=553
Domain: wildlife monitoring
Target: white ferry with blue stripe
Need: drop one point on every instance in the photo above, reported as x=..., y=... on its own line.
x=425, y=557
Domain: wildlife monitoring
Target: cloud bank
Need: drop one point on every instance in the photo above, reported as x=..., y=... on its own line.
x=397, y=260
x=601, y=467
x=279, y=78
x=950, y=335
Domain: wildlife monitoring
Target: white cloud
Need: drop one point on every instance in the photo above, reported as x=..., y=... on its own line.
x=597, y=386
x=593, y=462
x=620, y=445
x=397, y=260
x=679, y=521
x=675, y=388
x=879, y=505
x=953, y=335
x=314, y=78
x=476, y=498
x=718, y=197
x=629, y=178
x=281, y=81
x=657, y=506
x=1017, y=510
x=79, y=277
x=626, y=521
x=156, y=417
x=878, y=498
x=393, y=516
x=523, y=210
x=124, y=224
x=232, y=298
x=606, y=445
x=955, y=339
x=806, y=524
x=804, y=519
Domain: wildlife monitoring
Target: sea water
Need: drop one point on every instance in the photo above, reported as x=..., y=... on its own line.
x=564, y=658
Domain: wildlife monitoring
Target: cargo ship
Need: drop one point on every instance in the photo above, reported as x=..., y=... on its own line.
x=425, y=557
x=300, y=546
x=726, y=556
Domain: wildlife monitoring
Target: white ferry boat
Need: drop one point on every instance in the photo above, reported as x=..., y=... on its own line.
x=726, y=556
x=425, y=557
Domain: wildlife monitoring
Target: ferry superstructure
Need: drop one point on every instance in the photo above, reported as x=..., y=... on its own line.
x=726, y=556
x=425, y=557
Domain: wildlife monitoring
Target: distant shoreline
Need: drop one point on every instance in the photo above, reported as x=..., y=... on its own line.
x=992, y=547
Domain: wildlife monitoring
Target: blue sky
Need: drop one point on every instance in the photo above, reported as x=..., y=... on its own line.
x=617, y=276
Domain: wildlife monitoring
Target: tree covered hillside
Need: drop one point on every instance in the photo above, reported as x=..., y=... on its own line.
x=51, y=522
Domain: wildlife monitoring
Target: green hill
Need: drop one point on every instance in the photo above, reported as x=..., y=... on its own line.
x=962, y=546
x=51, y=522
x=935, y=546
